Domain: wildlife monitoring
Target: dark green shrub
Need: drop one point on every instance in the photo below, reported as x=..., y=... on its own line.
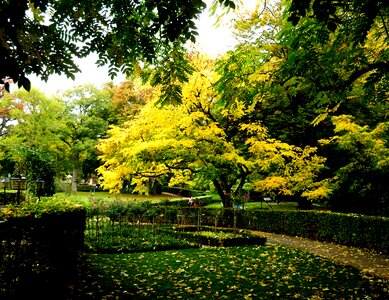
x=355, y=230
x=349, y=229
x=40, y=244
x=211, y=236
x=131, y=239
x=300, y=223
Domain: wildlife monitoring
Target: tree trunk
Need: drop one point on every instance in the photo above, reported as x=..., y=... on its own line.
x=75, y=172
x=224, y=195
x=74, y=179
x=227, y=201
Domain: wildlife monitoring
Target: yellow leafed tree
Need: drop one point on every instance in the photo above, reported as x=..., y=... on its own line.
x=202, y=138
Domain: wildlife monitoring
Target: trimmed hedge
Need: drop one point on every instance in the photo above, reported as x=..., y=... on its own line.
x=232, y=239
x=39, y=251
x=348, y=229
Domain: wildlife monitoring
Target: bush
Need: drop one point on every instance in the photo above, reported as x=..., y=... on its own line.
x=132, y=238
x=40, y=244
x=348, y=229
x=211, y=236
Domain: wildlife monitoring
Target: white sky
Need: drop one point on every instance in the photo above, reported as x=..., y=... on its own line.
x=211, y=40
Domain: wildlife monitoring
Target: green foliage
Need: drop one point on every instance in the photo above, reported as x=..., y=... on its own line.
x=32, y=144
x=40, y=244
x=171, y=73
x=295, y=77
x=131, y=238
x=348, y=229
x=360, y=179
x=355, y=230
x=253, y=121
x=359, y=15
x=89, y=112
x=211, y=236
x=266, y=272
x=116, y=225
x=37, y=209
x=40, y=164
x=43, y=37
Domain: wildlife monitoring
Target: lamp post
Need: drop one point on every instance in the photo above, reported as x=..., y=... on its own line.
x=4, y=183
x=40, y=184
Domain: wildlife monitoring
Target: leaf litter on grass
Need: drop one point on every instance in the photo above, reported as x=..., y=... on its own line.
x=224, y=273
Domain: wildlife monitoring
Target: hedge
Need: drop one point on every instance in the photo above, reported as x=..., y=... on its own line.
x=348, y=229
x=230, y=238
x=39, y=251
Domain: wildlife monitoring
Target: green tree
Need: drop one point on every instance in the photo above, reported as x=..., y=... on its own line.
x=89, y=113
x=252, y=73
x=359, y=16
x=40, y=165
x=361, y=178
x=296, y=78
x=344, y=71
x=32, y=144
x=38, y=120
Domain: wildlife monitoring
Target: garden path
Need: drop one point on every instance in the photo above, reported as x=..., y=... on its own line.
x=369, y=262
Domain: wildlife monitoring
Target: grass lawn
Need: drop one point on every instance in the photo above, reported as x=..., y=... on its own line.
x=85, y=196
x=251, y=272
x=263, y=205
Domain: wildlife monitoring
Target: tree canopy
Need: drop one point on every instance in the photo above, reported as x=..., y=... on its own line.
x=89, y=112
x=298, y=107
x=43, y=37
x=359, y=16
x=204, y=141
x=288, y=111
x=31, y=143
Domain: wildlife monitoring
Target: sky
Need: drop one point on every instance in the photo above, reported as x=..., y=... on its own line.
x=211, y=40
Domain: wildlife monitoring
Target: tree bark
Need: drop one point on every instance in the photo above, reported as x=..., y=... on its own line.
x=74, y=179
x=224, y=195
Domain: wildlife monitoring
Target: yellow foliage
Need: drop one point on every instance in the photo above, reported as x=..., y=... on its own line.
x=273, y=184
x=344, y=123
x=140, y=185
x=181, y=177
x=320, y=193
x=197, y=137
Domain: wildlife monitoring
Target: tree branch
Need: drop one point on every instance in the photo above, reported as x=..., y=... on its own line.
x=358, y=73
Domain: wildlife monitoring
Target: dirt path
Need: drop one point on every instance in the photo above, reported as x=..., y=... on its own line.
x=369, y=262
